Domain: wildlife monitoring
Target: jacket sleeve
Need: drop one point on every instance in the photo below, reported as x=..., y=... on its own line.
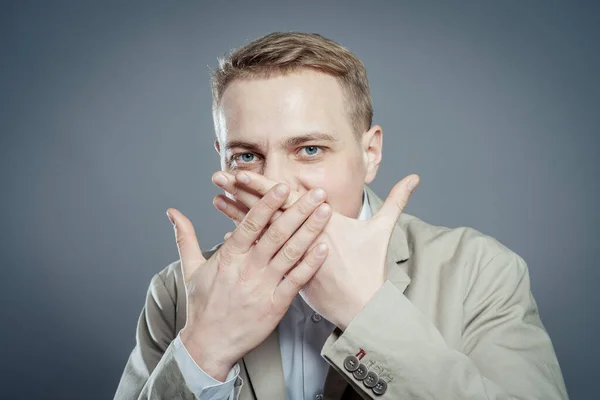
x=152, y=371
x=506, y=354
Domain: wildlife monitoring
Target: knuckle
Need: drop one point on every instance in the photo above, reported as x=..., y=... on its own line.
x=313, y=226
x=291, y=252
x=269, y=207
x=234, y=247
x=294, y=281
x=270, y=203
x=251, y=226
x=303, y=208
x=312, y=262
x=290, y=201
x=276, y=216
x=225, y=257
x=262, y=188
x=274, y=235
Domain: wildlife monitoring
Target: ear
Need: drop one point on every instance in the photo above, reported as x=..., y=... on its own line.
x=372, y=146
x=221, y=156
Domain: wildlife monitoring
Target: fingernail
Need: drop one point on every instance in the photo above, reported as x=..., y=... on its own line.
x=170, y=218
x=411, y=184
x=220, y=203
x=321, y=249
x=322, y=212
x=220, y=179
x=317, y=195
x=243, y=177
x=281, y=190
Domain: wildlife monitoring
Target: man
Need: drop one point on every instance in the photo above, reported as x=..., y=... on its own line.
x=323, y=290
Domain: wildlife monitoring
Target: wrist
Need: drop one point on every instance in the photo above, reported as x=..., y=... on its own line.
x=355, y=305
x=207, y=357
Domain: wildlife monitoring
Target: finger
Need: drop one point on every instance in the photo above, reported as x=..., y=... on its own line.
x=187, y=242
x=236, y=211
x=227, y=236
x=232, y=209
x=295, y=225
x=289, y=287
x=260, y=184
x=255, y=221
x=299, y=244
x=277, y=214
x=396, y=202
x=250, y=187
x=227, y=182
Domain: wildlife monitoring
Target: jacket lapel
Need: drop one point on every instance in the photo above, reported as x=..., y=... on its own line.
x=398, y=252
x=264, y=367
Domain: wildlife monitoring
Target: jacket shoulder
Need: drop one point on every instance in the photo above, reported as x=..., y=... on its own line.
x=461, y=245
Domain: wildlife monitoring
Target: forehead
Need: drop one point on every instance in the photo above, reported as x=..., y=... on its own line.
x=265, y=109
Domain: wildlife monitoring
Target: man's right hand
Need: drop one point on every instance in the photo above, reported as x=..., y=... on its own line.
x=236, y=298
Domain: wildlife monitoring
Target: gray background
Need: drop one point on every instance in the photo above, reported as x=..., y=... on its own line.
x=105, y=122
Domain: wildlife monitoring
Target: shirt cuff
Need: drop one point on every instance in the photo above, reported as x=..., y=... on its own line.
x=200, y=383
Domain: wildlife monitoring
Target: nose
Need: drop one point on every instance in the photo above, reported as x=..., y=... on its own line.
x=280, y=171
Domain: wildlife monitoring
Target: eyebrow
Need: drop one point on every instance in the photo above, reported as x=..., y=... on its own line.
x=313, y=136
x=289, y=142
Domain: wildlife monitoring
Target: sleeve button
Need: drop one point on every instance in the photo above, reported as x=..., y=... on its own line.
x=351, y=363
x=371, y=379
x=380, y=387
x=361, y=372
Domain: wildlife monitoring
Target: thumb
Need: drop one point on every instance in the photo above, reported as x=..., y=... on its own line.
x=396, y=201
x=187, y=243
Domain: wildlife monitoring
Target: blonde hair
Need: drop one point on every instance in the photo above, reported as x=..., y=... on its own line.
x=280, y=53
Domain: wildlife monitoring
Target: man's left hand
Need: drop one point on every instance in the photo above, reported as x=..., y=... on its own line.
x=355, y=266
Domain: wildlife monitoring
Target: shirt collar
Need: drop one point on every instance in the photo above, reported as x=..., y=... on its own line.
x=365, y=211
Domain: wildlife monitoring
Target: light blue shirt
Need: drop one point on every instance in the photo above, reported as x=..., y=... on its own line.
x=302, y=334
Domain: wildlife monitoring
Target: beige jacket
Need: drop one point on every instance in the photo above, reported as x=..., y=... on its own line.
x=455, y=320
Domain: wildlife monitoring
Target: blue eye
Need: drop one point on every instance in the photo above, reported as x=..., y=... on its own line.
x=311, y=150
x=247, y=157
